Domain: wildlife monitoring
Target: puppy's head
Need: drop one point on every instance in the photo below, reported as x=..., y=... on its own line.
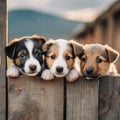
x=96, y=60
x=26, y=53
x=60, y=55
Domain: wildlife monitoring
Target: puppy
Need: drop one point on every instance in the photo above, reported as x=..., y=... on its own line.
x=98, y=60
x=26, y=55
x=60, y=57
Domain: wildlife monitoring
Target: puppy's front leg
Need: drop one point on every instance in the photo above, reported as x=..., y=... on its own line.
x=47, y=75
x=12, y=71
x=72, y=75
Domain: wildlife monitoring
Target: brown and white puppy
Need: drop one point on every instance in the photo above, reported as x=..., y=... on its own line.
x=60, y=57
x=26, y=55
x=98, y=60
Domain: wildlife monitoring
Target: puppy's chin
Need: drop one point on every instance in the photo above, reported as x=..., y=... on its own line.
x=92, y=77
x=59, y=75
x=32, y=73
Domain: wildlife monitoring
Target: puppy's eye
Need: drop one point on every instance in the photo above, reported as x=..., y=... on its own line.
x=99, y=60
x=84, y=59
x=37, y=53
x=67, y=57
x=22, y=56
x=53, y=57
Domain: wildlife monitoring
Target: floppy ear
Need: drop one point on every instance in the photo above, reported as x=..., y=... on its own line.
x=113, y=55
x=47, y=45
x=40, y=39
x=77, y=47
x=10, y=49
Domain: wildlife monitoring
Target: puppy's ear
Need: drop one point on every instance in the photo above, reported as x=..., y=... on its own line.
x=47, y=45
x=77, y=47
x=113, y=55
x=40, y=39
x=10, y=49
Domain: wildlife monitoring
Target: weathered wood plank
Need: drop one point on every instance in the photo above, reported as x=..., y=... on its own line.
x=44, y=99
x=3, y=14
x=82, y=100
x=110, y=98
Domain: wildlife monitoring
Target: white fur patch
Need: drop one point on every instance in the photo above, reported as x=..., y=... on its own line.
x=31, y=61
x=72, y=75
x=47, y=75
x=60, y=61
x=12, y=72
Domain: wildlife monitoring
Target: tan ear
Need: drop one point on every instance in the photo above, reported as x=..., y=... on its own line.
x=40, y=39
x=112, y=54
x=77, y=47
x=47, y=45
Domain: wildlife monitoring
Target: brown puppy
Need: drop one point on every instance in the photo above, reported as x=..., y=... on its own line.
x=98, y=60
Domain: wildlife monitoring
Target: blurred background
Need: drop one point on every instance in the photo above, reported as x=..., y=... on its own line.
x=87, y=21
x=52, y=18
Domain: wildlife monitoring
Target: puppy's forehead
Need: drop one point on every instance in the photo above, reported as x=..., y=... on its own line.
x=60, y=44
x=95, y=48
x=26, y=43
x=63, y=44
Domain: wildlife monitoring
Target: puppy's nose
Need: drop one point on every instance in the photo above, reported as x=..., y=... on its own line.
x=32, y=67
x=59, y=69
x=89, y=70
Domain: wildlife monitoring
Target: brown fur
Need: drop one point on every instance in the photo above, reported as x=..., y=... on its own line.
x=77, y=47
x=51, y=48
x=69, y=62
x=17, y=60
x=99, y=58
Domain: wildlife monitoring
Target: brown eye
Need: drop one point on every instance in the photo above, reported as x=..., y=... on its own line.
x=53, y=57
x=84, y=59
x=99, y=60
x=67, y=57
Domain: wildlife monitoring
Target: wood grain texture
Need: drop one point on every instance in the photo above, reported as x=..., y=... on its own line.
x=44, y=98
x=3, y=25
x=109, y=98
x=31, y=98
x=82, y=100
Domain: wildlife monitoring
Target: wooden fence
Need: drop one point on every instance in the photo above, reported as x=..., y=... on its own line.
x=35, y=99
x=3, y=23
x=31, y=98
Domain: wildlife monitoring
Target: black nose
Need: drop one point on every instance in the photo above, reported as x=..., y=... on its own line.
x=59, y=69
x=89, y=70
x=32, y=67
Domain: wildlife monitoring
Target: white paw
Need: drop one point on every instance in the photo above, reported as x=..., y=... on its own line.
x=72, y=75
x=47, y=75
x=12, y=72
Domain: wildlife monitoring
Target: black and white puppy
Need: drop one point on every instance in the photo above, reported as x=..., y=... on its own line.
x=26, y=55
x=60, y=58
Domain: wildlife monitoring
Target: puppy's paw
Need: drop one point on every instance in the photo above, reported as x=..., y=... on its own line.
x=72, y=75
x=12, y=72
x=47, y=75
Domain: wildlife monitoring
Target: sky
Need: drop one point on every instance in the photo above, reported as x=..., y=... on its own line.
x=79, y=10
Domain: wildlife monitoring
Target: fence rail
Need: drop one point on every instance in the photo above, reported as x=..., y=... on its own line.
x=61, y=100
